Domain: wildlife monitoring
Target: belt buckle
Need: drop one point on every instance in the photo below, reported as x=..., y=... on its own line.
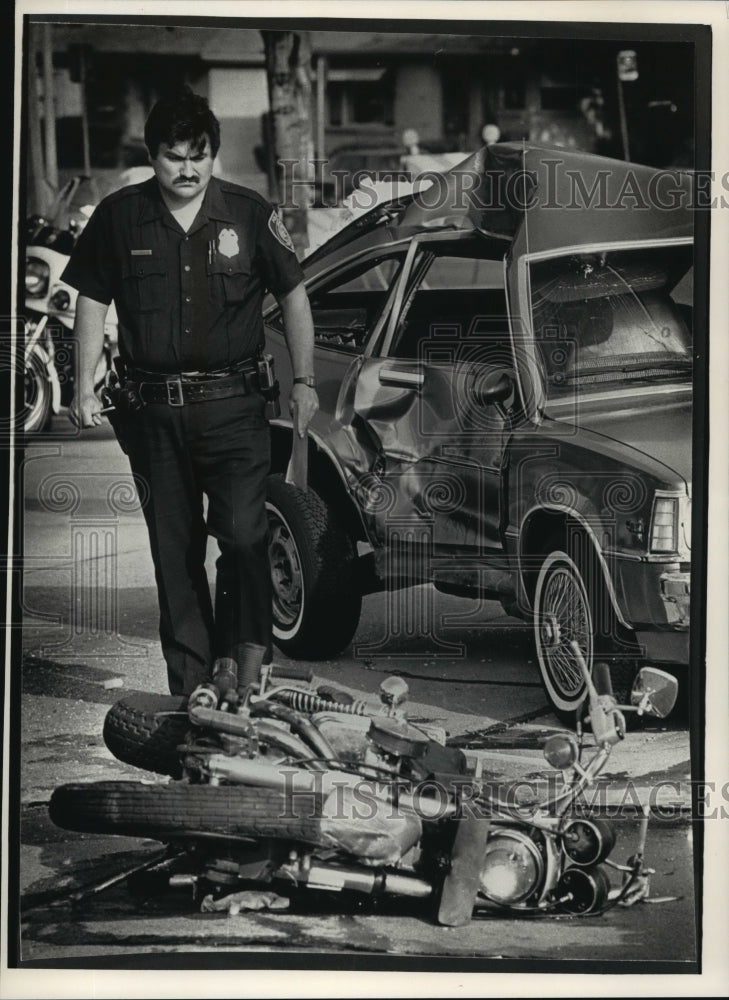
x=177, y=384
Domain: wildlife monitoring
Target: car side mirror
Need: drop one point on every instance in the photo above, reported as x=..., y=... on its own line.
x=495, y=388
x=654, y=692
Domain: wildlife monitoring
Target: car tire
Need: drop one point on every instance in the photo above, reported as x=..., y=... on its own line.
x=566, y=607
x=316, y=598
x=37, y=405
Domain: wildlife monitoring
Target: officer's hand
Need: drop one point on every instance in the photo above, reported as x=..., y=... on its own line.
x=303, y=404
x=85, y=410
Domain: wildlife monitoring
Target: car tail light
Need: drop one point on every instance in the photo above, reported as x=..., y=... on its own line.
x=664, y=525
x=37, y=277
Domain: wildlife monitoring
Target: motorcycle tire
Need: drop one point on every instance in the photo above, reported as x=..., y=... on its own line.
x=145, y=730
x=178, y=812
x=316, y=598
x=37, y=403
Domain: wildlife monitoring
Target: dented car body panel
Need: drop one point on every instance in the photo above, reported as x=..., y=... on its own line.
x=493, y=373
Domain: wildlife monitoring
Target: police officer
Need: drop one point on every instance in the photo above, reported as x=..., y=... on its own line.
x=187, y=259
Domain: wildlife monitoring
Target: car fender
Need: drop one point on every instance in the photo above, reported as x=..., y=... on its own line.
x=562, y=512
x=327, y=454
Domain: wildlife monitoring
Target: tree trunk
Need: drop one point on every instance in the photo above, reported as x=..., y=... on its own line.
x=288, y=58
x=40, y=194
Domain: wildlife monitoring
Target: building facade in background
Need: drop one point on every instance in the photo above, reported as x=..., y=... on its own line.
x=369, y=88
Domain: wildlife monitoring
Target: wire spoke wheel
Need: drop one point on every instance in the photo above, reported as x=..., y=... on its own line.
x=562, y=614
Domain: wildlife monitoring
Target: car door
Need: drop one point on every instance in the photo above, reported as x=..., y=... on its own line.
x=435, y=394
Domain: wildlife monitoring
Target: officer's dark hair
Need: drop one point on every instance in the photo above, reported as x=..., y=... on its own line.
x=181, y=117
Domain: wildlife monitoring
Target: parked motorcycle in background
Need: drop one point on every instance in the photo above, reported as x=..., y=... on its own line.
x=50, y=312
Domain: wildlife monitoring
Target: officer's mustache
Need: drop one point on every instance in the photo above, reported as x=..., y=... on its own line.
x=186, y=180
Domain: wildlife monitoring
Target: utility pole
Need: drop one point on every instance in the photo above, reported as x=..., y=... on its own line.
x=627, y=66
x=288, y=68
x=40, y=197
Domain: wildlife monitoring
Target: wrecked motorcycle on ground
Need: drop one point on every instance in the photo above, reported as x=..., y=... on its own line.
x=275, y=786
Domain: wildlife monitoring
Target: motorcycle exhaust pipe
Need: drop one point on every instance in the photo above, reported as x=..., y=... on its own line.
x=300, y=781
x=380, y=883
x=301, y=725
x=203, y=713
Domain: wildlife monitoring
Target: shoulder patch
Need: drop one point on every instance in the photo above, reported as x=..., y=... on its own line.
x=278, y=229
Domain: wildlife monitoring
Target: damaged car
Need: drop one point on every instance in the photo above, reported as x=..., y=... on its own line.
x=504, y=364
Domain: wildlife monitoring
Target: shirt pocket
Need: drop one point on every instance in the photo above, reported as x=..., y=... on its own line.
x=145, y=285
x=229, y=279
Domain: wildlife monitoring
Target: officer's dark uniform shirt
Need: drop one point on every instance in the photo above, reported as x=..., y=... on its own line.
x=185, y=301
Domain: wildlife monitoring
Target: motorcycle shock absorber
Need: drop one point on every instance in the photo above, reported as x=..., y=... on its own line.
x=306, y=701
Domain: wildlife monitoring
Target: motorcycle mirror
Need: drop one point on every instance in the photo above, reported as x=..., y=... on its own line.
x=654, y=692
x=561, y=751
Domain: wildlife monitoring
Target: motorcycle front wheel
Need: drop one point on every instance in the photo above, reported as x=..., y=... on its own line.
x=181, y=812
x=37, y=394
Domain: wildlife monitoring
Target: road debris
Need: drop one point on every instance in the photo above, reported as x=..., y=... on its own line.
x=248, y=899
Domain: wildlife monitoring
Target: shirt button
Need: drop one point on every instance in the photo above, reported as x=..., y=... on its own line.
x=187, y=267
x=187, y=298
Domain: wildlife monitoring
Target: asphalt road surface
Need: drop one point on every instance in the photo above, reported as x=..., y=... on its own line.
x=90, y=635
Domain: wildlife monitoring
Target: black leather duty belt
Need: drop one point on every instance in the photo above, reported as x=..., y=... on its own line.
x=177, y=390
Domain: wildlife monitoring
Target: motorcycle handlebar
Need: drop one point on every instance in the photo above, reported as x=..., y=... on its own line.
x=291, y=672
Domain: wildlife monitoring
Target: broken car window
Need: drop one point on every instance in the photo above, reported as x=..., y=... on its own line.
x=611, y=318
x=459, y=302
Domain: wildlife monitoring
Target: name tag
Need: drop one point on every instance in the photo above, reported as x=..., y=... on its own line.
x=141, y=253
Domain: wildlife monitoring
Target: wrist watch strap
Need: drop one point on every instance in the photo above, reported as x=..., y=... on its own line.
x=305, y=380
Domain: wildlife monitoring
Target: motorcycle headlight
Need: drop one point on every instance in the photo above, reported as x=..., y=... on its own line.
x=513, y=868
x=37, y=277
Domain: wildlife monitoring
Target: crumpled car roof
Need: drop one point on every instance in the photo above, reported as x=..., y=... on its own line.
x=546, y=198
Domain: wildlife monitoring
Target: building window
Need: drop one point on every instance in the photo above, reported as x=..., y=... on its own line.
x=360, y=96
x=556, y=97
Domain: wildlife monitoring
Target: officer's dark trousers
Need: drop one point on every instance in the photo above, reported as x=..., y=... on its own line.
x=218, y=448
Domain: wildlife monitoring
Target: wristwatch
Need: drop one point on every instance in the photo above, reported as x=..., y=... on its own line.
x=306, y=380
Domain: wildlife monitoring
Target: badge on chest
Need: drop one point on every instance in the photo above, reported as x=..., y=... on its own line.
x=228, y=242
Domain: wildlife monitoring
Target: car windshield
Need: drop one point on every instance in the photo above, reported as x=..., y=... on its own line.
x=612, y=319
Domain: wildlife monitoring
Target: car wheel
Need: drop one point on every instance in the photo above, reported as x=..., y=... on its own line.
x=316, y=599
x=562, y=613
x=37, y=395
x=567, y=608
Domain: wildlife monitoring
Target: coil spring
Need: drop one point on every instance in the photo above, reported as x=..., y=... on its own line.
x=305, y=701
